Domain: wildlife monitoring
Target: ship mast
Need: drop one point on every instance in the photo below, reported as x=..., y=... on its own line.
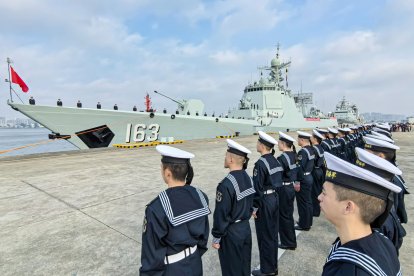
x=9, y=80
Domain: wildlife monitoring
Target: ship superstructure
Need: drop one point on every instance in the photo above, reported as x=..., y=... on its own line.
x=266, y=104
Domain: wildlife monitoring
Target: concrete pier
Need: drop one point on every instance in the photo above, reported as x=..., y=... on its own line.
x=80, y=213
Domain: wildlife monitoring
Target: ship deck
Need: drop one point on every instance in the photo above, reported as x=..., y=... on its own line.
x=81, y=212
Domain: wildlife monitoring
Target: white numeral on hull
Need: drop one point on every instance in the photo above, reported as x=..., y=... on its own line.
x=139, y=133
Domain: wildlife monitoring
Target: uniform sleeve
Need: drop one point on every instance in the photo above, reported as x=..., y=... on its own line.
x=202, y=242
x=153, y=249
x=302, y=161
x=221, y=216
x=258, y=180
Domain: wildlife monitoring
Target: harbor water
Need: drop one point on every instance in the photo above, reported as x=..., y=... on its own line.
x=11, y=138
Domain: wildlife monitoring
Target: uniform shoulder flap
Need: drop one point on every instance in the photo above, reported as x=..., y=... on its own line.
x=240, y=192
x=178, y=213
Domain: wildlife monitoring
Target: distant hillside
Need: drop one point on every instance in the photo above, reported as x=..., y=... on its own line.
x=374, y=116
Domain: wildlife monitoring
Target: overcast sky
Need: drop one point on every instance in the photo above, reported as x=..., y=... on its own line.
x=117, y=51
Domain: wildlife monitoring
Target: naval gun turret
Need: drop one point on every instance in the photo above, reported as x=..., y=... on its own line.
x=187, y=107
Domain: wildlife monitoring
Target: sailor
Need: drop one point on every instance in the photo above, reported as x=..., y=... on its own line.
x=267, y=177
x=332, y=133
x=392, y=227
x=326, y=143
x=234, y=205
x=115, y=107
x=79, y=104
x=388, y=151
x=357, y=199
x=286, y=193
x=175, y=229
x=32, y=101
x=318, y=173
x=59, y=102
x=98, y=105
x=343, y=144
x=134, y=108
x=303, y=186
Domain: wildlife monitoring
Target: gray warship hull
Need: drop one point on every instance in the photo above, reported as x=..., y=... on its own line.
x=130, y=127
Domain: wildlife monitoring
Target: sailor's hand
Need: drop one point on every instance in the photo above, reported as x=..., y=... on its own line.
x=215, y=245
x=296, y=186
x=254, y=215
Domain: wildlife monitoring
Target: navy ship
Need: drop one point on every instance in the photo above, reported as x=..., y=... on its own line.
x=266, y=104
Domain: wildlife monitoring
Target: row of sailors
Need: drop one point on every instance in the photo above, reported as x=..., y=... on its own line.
x=176, y=227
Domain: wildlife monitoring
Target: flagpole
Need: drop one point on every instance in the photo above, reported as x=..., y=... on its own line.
x=8, y=67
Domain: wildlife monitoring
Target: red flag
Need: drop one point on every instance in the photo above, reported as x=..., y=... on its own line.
x=15, y=78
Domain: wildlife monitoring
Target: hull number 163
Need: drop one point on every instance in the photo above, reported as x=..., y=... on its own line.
x=139, y=133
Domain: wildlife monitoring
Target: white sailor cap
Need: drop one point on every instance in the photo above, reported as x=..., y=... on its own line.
x=303, y=135
x=353, y=127
x=345, y=174
x=317, y=134
x=321, y=130
x=266, y=139
x=286, y=138
x=382, y=131
x=376, y=164
x=379, y=145
x=384, y=126
x=344, y=130
x=236, y=148
x=380, y=136
x=333, y=130
x=173, y=155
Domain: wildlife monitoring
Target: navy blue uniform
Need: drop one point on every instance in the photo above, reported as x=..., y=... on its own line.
x=399, y=198
x=306, y=164
x=327, y=145
x=371, y=255
x=318, y=174
x=231, y=228
x=342, y=151
x=286, y=199
x=175, y=232
x=393, y=229
x=335, y=146
x=267, y=177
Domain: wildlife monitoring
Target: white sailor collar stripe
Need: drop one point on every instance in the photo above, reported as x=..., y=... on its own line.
x=326, y=143
x=310, y=157
x=271, y=171
x=241, y=195
x=318, y=151
x=357, y=258
x=177, y=220
x=291, y=166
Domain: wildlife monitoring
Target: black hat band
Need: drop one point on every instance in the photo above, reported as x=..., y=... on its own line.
x=174, y=160
x=237, y=152
x=357, y=184
x=266, y=143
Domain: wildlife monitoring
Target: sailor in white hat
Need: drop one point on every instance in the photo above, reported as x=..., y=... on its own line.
x=343, y=145
x=267, y=177
x=234, y=202
x=303, y=186
x=352, y=199
x=287, y=193
x=178, y=214
x=388, y=151
x=318, y=173
x=333, y=133
x=326, y=143
x=391, y=227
